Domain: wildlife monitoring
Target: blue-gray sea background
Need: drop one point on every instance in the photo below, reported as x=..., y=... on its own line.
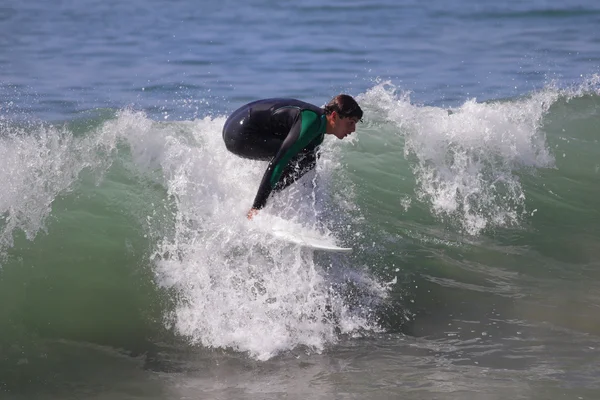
x=469, y=194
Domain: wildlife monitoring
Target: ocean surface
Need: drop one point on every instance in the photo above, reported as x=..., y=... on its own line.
x=469, y=192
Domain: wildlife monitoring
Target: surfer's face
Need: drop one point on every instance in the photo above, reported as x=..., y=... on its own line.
x=343, y=127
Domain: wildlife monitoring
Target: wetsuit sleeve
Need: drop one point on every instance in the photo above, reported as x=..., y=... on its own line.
x=304, y=131
x=296, y=168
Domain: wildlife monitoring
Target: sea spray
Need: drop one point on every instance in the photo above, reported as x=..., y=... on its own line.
x=237, y=287
x=38, y=163
x=466, y=161
x=233, y=286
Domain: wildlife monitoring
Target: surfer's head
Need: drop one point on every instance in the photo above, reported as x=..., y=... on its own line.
x=345, y=106
x=343, y=112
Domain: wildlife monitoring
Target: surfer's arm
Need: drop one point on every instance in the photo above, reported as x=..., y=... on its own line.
x=290, y=175
x=304, y=136
x=300, y=165
x=276, y=166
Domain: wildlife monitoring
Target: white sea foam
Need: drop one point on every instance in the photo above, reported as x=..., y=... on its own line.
x=466, y=161
x=37, y=164
x=239, y=287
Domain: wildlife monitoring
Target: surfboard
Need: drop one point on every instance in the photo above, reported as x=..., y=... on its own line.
x=297, y=234
x=310, y=241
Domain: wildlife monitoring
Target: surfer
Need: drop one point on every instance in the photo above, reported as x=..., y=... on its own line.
x=287, y=132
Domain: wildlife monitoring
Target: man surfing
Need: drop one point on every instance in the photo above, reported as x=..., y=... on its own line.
x=287, y=132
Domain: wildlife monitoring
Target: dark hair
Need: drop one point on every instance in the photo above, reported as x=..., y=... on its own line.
x=345, y=106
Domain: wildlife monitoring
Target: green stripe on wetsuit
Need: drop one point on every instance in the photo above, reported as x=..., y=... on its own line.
x=306, y=133
x=312, y=127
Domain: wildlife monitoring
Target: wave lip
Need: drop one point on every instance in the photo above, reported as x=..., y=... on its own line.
x=467, y=161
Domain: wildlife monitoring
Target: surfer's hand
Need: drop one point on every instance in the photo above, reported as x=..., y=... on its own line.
x=252, y=213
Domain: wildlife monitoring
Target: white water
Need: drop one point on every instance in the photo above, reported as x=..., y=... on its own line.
x=238, y=287
x=38, y=163
x=466, y=161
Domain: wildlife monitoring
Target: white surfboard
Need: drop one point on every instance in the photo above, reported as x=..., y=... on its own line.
x=298, y=234
x=306, y=240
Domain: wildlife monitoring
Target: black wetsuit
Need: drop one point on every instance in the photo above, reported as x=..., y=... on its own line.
x=285, y=131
